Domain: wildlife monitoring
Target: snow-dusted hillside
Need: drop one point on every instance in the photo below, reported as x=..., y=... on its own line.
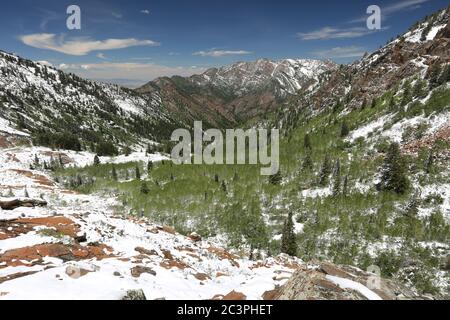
x=38, y=97
x=284, y=76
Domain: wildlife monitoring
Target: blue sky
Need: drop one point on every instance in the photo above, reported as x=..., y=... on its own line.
x=133, y=41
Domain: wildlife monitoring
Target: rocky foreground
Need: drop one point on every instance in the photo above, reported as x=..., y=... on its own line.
x=57, y=244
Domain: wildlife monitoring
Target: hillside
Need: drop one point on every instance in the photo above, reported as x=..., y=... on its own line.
x=242, y=91
x=63, y=110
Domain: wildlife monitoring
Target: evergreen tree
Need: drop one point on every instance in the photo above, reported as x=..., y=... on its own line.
x=337, y=178
x=26, y=194
x=374, y=103
x=137, y=173
x=425, y=32
x=445, y=76
x=393, y=177
x=149, y=166
x=412, y=208
x=288, y=239
x=224, y=186
x=307, y=162
x=435, y=72
x=307, y=142
x=345, y=186
x=36, y=161
x=364, y=104
x=216, y=178
x=406, y=95
x=276, y=178
x=392, y=103
x=418, y=91
x=325, y=171
x=344, y=129
x=429, y=162
x=144, y=188
x=96, y=160
x=114, y=173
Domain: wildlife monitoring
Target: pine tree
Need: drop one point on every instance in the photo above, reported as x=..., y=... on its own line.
x=137, y=173
x=412, y=208
x=96, y=160
x=288, y=239
x=344, y=130
x=345, y=186
x=374, y=103
x=149, y=166
x=216, y=178
x=337, y=178
x=276, y=178
x=435, y=72
x=224, y=186
x=418, y=91
x=36, y=161
x=307, y=142
x=307, y=162
x=392, y=103
x=445, y=76
x=325, y=171
x=406, y=95
x=429, y=162
x=114, y=173
x=364, y=104
x=26, y=194
x=425, y=32
x=393, y=177
x=144, y=188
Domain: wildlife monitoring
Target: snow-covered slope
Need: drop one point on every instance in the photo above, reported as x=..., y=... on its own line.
x=75, y=246
x=35, y=97
x=284, y=76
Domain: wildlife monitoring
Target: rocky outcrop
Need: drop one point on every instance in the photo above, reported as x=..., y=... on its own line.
x=17, y=203
x=326, y=281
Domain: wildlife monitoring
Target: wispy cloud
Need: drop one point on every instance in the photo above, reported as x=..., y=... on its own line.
x=334, y=33
x=80, y=46
x=341, y=52
x=117, y=15
x=138, y=73
x=388, y=10
x=101, y=56
x=221, y=53
x=145, y=11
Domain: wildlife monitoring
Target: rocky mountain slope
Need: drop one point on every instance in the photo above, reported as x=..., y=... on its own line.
x=241, y=91
x=45, y=102
x=357, y=85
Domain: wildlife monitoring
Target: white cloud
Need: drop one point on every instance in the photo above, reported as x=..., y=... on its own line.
x=117, y=15
x=80, y=46
x=135, y=73
x=220, y=53
x=145, y=11
x=334, y=33
x=342, y=52
x=101, y=56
